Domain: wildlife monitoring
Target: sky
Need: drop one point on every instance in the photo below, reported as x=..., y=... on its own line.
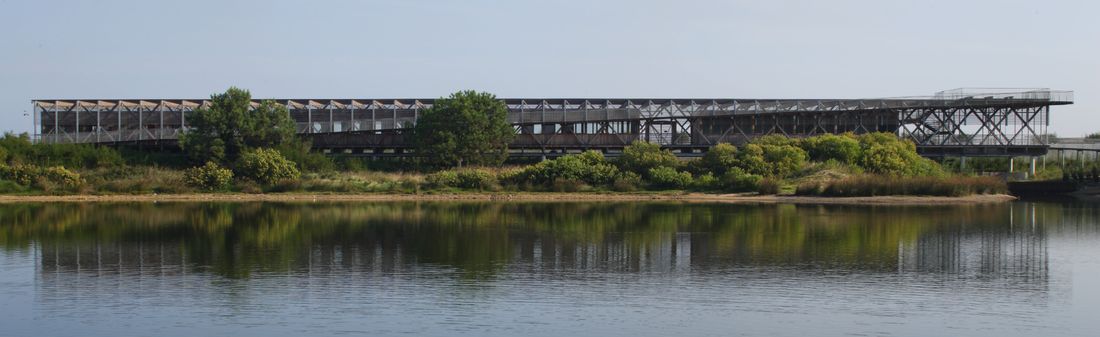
x=575, y=49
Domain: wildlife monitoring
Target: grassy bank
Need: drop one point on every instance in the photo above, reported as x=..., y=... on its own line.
x=515, y=197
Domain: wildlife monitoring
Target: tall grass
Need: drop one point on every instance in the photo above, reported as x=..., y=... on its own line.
x=356, y=182
x=136, y=180
x=878, y=185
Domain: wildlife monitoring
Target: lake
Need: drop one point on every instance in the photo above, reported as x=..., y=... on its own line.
x=548, y=269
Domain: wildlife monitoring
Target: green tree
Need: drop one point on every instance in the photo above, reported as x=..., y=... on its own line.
x=717, y=160
x=783, y=160
x=842, y=148
x=231, y=126
x=467, y=128
x=639, y=157
x=771, y=160
x=751, y=159
x=775, y=139
x=19, y=149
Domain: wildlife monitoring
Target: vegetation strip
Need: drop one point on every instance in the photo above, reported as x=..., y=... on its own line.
x=525, y=197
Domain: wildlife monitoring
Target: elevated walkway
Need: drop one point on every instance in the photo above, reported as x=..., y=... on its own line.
x=1004, y=122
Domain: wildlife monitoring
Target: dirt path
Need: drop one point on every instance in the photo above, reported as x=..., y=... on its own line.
x=523, y=196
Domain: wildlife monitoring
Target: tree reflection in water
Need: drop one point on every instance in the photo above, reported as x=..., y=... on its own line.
x=479, y=240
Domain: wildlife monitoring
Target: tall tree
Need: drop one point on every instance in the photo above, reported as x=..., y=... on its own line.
x=230, y=126
x=467, y=128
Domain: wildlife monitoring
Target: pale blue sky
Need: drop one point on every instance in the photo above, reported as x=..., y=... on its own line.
x=631, y=48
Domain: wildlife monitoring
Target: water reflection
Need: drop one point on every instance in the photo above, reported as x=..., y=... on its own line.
x=547, y=269
x=482, y=239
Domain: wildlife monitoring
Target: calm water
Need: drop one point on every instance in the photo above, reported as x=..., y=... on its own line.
x=548, y=269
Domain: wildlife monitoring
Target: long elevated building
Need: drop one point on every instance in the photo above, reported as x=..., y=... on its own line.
x=960, y=122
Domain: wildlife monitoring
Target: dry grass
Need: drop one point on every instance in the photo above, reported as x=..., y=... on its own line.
x=135, y=180
x=356, y=182
x=878, y=185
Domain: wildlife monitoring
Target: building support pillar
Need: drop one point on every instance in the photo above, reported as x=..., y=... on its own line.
x=118, y=116
x=1033, y=159
x=98, y=127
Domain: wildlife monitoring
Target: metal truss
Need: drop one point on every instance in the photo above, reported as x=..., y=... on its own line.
x=966, y=123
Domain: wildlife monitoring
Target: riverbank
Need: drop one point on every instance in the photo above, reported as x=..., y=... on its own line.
x=521, y=196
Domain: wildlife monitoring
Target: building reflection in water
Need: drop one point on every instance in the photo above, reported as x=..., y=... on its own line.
x=1015, y=249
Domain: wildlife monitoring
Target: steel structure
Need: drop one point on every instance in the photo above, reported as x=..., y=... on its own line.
x=965, y=122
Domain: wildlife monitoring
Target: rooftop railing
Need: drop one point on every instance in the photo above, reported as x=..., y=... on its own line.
x=1044, y=94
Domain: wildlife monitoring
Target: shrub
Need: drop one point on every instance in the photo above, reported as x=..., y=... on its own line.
x=771, y=160
x=43, y=178
x=885, y=153
x=569, y=185
x=842, y=148
x=810, y=188
x=783, y=160
x=210, y=177
x=409, y=185
x=308, y=161
x=884, y=159
x=627, y=182
x=19, y=149
x=589, y=167
x=466, y=178
x=775, y=140
x=768, y=186
x=479, y=179
x=19, y=173
x=510, y=175
x=267, y=166
x=707, y=181
x=442, y=179
x=669, y=178
x=639, y=157
x=717, y=160
x=737, y=180
x=11, y=187
x=61, y=176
